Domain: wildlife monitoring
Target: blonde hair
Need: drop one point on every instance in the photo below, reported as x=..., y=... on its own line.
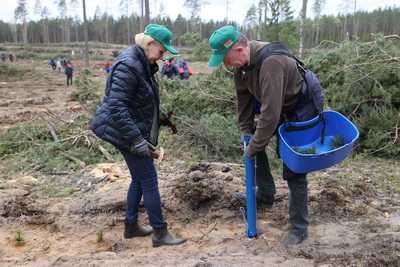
x=142, y=40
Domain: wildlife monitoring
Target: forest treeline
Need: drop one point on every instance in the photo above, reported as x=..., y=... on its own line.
x=279, y=26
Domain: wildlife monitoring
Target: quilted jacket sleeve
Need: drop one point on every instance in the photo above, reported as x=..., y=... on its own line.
x=123, y=88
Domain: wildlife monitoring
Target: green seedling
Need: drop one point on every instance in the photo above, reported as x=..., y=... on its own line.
x=178, y=233
x=100, y=236
x=312, y=150
x=18, y=236
x=337, y=141
x=187, y=219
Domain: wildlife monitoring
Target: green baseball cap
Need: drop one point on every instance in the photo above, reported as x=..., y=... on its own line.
x=161, y=34
x=220, y=43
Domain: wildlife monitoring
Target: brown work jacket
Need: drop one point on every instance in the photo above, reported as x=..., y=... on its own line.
x=276, y=86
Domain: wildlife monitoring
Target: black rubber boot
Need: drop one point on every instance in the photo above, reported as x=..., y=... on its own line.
x=294, y=239
x=162, y=237
x=133, y=230
x=265, y=202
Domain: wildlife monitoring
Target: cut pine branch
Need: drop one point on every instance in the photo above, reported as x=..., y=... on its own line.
x=80, y=162
x=53, y=133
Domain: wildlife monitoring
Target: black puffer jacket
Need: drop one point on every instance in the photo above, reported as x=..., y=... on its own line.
x=130, y=108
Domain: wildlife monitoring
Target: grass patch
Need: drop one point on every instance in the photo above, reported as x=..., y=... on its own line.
x=52, y=191
x=16, y=71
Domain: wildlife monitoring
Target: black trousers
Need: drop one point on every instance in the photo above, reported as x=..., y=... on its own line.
x=69, y=80
x=298, y=187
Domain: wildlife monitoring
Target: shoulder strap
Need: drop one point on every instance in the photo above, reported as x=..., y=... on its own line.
x=277, y=48
x=273, y=48
x=269, y=49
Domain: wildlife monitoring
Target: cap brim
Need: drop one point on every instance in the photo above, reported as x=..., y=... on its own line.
x=216, y=60
x=171, y=49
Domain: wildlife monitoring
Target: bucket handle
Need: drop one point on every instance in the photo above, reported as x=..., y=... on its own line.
x=321, y=116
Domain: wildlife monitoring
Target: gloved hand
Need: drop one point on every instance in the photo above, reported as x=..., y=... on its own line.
x=141, y=148
x=242, y=138
x=246, y=153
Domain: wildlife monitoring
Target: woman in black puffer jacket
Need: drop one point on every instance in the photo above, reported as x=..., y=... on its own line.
x=128, y=118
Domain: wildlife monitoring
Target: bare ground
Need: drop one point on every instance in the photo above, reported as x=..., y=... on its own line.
x=353, y=223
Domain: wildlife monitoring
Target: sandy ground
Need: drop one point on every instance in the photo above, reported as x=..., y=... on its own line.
x=350, y=225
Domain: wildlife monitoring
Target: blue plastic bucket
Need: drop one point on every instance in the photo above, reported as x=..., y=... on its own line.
x=293, y=144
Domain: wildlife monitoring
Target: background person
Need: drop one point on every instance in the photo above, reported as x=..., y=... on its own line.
x=169, y=69
x=277, y=86
x=69, y=72
x=52, y=63
x=183, y=69
x=128, y=118
x=59, y=65
x=107, y=67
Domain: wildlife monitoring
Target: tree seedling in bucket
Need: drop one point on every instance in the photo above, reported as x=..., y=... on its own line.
x=312, y=150
x=337, y=141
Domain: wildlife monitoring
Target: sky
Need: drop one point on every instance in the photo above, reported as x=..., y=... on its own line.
x=216, y=10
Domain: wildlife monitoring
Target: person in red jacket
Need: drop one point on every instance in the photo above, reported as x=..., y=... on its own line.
x=107, y=66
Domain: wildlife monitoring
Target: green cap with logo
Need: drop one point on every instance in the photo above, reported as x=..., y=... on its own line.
x=161, y=34
x=220, y=43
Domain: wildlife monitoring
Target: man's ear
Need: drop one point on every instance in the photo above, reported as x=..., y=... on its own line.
x=239, y=49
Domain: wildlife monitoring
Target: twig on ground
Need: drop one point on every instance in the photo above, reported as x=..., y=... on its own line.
x=52, y=114
x=8, y=155
x=80, y=162
x=266, y=241
x=53, y=133
x=206, y=234
x=105, y=153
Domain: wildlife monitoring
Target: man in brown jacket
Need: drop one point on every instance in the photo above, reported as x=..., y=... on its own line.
x=278, y=86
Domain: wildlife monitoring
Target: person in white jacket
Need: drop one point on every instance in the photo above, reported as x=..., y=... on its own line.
x=59, y=66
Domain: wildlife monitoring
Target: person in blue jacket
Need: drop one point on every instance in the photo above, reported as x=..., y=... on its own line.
x=52, y=63
x=129, y=118
x=182, y=68
x=169, y=68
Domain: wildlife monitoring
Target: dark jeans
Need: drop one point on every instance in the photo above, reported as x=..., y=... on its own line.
x=144, y=183
x=69, y=79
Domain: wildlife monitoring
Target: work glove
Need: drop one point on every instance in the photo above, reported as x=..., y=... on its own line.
x=242, y=139
x=142, y=148
x=246, y=153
